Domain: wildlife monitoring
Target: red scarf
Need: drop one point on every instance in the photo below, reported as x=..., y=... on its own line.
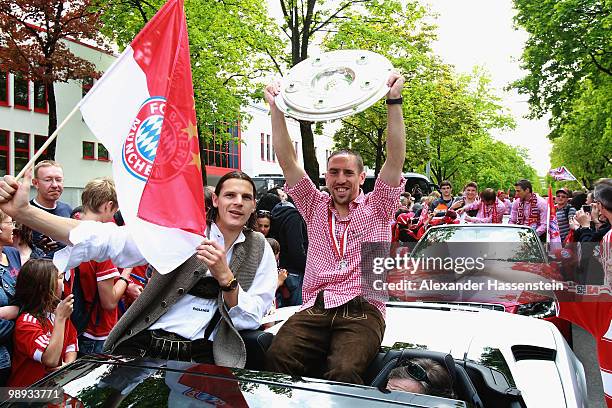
x=534, y=211
x=488, y=211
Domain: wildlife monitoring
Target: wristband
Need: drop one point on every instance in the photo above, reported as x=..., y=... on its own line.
x=396, y=101
x=127, y=282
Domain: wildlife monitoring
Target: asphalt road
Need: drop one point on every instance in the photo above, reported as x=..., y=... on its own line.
x=584, y=347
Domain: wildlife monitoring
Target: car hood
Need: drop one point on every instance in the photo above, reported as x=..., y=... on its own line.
x=482, y=336
x=488, y=338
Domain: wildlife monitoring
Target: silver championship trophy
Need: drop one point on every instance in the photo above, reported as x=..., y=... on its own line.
x=333, y=85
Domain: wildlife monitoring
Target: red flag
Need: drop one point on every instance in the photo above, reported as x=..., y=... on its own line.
x=553, y=226
x=143, y=110
x=174, y=195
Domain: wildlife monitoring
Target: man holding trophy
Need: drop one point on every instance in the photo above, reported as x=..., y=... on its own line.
x=340, y=326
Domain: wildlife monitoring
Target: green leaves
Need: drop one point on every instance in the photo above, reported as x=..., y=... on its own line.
x=229, y=44
x=583, y=142
x=568, y=58
x=456, y=112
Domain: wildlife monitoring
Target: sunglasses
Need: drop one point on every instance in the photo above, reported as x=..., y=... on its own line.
x=263, y=212
x=416, y=371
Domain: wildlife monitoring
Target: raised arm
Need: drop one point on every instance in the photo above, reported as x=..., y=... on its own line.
x=391, y=171
x=283, y=147
x=14, y=201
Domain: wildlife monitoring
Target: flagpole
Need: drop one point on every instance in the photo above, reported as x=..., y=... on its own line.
x=548, y=214
x=49, y=140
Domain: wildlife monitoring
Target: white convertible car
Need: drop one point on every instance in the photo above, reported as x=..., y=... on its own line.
x=510, y=360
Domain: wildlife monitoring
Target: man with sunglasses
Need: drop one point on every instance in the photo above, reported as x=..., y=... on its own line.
x=565, y=211
x=421, y=376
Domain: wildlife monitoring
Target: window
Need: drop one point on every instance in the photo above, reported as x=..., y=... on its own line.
x=86, y=86
x=40, y=140
x=4, y=87
x=88, y=150
x=225, y=154
x=233, y=163
x=263, y=148
x=40, y=97
x=102, y=153
x=21, y=92
x=268, y=151
x=4, y=152
x=22, y=150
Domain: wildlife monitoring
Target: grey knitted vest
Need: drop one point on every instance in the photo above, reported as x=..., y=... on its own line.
x=163, y=291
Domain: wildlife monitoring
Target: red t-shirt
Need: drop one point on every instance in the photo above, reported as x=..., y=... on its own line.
x=596, y=318
x=30, y=342
x=101, y=321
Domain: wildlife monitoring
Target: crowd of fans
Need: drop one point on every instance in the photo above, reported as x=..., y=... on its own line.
x=577, y=219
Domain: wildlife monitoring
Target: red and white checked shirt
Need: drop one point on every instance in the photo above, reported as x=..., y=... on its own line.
x=368, y=221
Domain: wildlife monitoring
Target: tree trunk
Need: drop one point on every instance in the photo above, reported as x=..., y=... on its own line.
x=52, y=119
x=311, y=165
x=379, y=152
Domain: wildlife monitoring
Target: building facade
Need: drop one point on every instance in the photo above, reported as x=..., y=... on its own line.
x=259, y=158
x=24, y=122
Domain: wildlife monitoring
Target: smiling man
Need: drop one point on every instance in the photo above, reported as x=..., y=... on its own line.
x=341, y=324
x=529, y=209
x=194, y=312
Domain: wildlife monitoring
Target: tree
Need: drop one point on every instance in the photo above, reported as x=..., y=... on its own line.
x=400, y=33
x=583, y=143
x=305, y=21
x=568, y=58
x=229, y=44
x=458, y=113
x=500, y=166
x=466, y=111
x=568, y=42
x=33, y=43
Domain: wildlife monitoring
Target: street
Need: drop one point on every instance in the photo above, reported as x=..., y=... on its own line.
x=584, y=347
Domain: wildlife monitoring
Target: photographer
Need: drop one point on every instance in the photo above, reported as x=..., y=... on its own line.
x=589, y=224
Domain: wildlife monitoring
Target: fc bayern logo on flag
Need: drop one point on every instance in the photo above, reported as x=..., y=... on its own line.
x=140, y=146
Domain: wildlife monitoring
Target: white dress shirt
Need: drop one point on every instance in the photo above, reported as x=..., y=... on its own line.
x=190, y=315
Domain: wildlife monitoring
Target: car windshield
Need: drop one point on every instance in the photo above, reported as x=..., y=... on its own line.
x=498, y=243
